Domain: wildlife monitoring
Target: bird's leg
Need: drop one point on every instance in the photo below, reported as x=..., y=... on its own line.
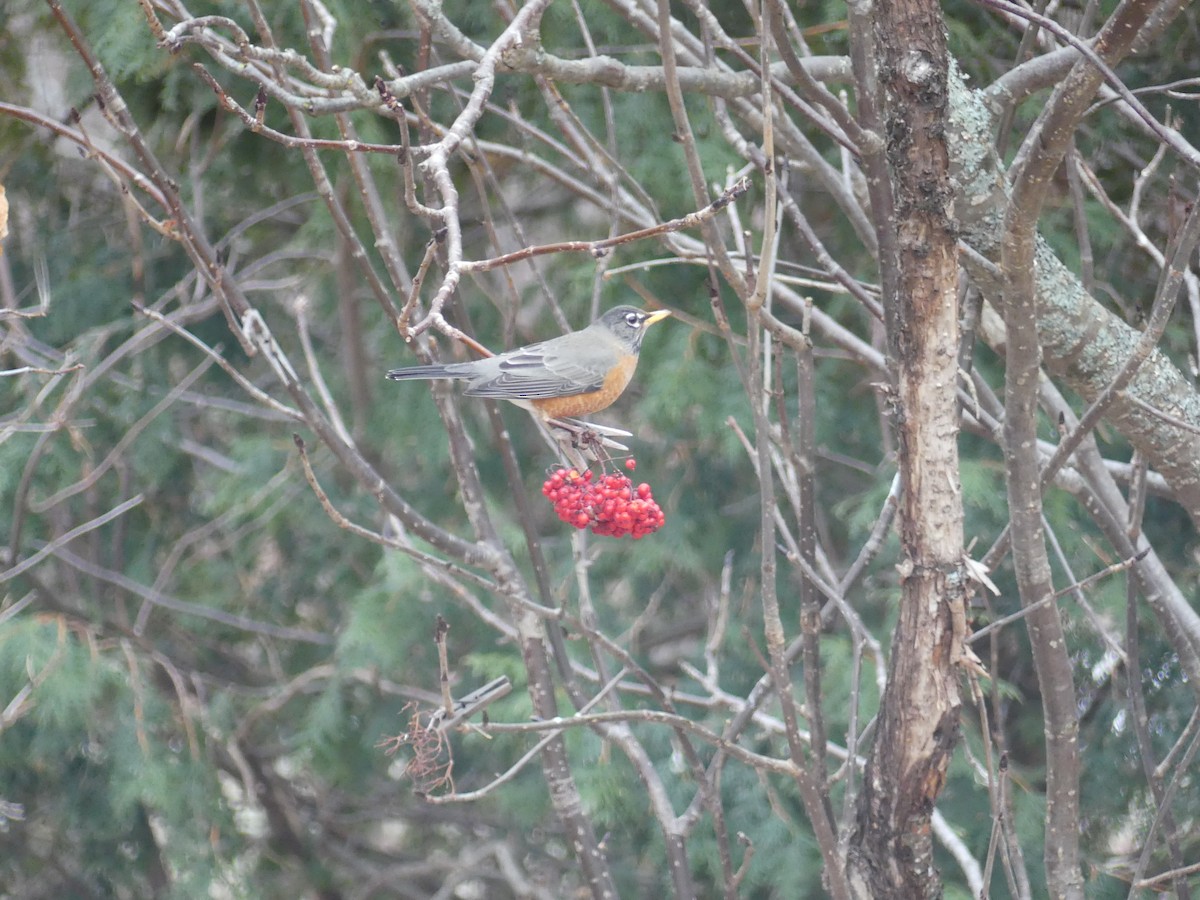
x=588, y=434
x=595, y=444
x=565, y=428
x=568, y=436
x=580, y=441
x=574, y=443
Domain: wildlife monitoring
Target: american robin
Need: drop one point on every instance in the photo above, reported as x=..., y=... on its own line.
x=574, y=375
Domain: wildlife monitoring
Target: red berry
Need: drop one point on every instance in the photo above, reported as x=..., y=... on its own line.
x=608, y=504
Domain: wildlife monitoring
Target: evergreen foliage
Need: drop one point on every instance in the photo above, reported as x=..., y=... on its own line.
x=195, y=693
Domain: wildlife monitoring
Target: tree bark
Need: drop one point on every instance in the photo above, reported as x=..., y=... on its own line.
x=892, y=848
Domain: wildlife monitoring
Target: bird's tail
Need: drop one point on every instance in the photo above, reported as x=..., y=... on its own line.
x=427, y=372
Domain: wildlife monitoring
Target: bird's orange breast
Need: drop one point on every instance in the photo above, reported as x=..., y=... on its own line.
x=572, y=405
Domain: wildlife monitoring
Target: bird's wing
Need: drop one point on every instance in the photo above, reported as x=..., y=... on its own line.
x=539, y=371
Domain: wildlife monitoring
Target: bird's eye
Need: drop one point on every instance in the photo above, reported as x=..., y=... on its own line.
x=633, y=320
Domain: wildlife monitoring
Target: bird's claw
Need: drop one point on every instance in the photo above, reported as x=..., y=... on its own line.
x=588, y=436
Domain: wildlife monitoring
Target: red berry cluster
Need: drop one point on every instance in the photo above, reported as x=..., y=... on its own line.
x=611, y=506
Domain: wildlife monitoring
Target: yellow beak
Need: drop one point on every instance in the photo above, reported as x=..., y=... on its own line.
x=653, y=317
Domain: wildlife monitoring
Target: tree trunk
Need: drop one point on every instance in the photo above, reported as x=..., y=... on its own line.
x=892, y=848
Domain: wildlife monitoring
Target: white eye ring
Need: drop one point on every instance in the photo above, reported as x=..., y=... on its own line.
x=634, y=320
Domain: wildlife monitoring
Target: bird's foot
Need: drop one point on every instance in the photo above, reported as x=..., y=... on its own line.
x=589, y=437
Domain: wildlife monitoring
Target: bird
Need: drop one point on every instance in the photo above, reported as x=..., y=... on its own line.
x=576, y=374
